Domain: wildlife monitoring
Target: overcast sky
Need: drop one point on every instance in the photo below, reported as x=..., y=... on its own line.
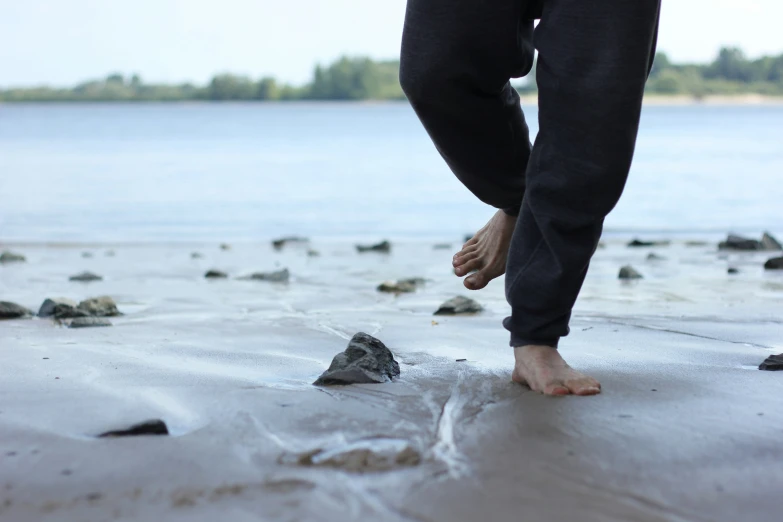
x=61, y=42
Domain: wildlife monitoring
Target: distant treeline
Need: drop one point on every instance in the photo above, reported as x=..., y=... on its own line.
x=364, y=79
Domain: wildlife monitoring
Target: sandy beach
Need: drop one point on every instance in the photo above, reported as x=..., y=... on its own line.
x=686, y=428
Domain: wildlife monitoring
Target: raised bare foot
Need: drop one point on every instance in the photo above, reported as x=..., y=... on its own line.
x=544, y=371
x=486, y=252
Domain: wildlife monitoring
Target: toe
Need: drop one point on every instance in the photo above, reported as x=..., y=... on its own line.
x=468, y=267
x=481, y=278
x=462, y=258
x=475, y=282
x=584, y=386
x=556, y=388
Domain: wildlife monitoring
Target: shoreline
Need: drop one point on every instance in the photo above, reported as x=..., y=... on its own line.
x=526, y=99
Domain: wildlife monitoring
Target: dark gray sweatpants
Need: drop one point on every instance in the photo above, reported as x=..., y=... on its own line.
x=594, y=58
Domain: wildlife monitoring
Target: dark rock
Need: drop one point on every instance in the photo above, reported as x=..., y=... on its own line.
x=459, y=305
x=49, y=304
x=383, y=246
x=64, y=311
x=103, y=306
x=225, y=246
x=11, y=257
x=601, y=244
x=773, y=363
x=313, y=253
x=396, y=287
x=215, y=274
x=768, y=242
x=196, y=255
x=401, y=286
x=442, y=246
x=735, y=242
x=362, y=456
x=655, y=257
x=85, y=277
x=640, y=243
x=86, y=254
x=10, y=310
x=150, y=427
x=629, y=272
x=775, y=263
x=696, y=243
x=278, y=244
x=461, y=360
x=732, y=270
x=281, y=276
x=89, y=322
x=366, y=360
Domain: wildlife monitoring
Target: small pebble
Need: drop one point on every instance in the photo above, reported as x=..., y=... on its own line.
x=461, y=360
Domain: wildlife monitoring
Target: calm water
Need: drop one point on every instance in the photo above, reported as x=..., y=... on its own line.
x=246, y=172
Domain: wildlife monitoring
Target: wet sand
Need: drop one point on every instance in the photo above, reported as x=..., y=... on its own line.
x=686, y=427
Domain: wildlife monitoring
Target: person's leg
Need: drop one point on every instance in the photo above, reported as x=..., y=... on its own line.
x=456, y=60
x=594, y=58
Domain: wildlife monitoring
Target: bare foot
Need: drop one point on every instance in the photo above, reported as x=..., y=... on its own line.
x=486, y=252
x=544, y=371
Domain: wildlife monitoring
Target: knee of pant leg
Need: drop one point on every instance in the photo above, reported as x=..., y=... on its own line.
x=420, y=81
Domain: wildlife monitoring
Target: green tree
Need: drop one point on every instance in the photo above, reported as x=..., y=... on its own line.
x=231, y=87
x=267, y=89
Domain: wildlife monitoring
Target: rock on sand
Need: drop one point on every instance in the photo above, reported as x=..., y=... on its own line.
x=640, y=243
x=768, y=242
x=735, y=242
x=11, y=257
x=401, y=286
x=281, y=276
x=775, y=263
x=215, y=274
x=772, y=363
x=365, y=360
x=85, y=277
x=89, y=322
x=459, y=305
x=629, y=272
x=383, y=246
x=10, y=310
x=150, y=427
x=103, y=306
x=278, y=244
x=50, y=304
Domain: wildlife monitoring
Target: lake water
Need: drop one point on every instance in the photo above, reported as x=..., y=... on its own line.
x=245, y=172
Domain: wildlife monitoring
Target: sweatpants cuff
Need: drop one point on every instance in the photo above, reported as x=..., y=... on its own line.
x=516, y=342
